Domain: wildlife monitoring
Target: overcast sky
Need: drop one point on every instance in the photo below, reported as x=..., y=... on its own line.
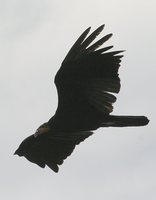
x=113, y=164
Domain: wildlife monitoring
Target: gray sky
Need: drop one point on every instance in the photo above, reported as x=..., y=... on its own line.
x=35, y=35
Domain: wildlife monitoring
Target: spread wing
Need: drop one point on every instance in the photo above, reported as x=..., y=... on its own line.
x=51, y=149
x=85, y=83
x=57, y=147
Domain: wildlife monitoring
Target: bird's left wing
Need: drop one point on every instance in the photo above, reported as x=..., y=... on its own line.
x=85, y=83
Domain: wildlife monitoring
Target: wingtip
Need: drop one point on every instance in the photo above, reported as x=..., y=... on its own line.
x=88, y=29
x=110, y=35
x=102, y=26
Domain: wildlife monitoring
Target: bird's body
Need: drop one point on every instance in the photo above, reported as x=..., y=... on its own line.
x=86, y=83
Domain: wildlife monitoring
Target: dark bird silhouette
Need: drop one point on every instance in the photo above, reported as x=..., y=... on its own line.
x=86, y=83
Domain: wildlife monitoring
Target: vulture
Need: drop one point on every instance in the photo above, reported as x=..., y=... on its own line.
x=86, y=83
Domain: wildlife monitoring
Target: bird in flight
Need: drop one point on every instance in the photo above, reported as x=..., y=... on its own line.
x=86, y=83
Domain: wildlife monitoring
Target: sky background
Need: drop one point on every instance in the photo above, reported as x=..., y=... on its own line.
x=113, y=164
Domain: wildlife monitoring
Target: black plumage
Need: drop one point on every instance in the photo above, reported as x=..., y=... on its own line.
x=86, y=83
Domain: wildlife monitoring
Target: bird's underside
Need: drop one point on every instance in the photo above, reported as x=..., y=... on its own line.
x=86, y=83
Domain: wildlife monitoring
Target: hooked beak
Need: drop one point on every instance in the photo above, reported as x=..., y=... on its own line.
x=18, y=152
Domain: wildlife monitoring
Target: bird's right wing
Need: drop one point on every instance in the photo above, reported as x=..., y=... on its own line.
x=51, y=149
x=57, y=147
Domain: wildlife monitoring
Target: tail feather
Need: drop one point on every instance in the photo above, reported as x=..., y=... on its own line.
x=123, y=121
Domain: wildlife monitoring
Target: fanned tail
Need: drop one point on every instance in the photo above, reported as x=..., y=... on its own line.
x=122, y=121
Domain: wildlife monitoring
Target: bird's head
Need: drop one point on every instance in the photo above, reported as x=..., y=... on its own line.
x=25, y=146
x=30, y=147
